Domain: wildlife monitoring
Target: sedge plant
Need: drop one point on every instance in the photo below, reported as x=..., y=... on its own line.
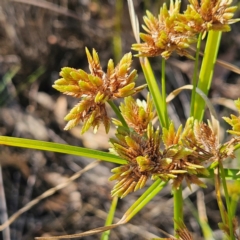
x=162, y=152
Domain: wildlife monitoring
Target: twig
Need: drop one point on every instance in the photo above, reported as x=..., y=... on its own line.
x=27, y=196
x=3, y=209
x=50, y=6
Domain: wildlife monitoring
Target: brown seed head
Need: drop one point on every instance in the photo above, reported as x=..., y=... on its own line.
x=163, y=35
x=95, y=89
x=210, y=15
x=137, y=114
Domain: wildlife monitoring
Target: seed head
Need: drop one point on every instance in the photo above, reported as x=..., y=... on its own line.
x=209, y=15
x=234, y=121
x=143, y=155
x=138, y=114
x=163, y=35
x=95, y=89
x=184, y=155
x=172, y=31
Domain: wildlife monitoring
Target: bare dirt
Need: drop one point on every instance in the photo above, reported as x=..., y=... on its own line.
x=36, y=41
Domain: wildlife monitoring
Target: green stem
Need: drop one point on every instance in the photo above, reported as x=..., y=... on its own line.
x=218, y=194
x=234, y=203
x=109, y=220
x=230, y=174
x=195, y=74
x=149, y=194
x=153, y=87
x=178, y=207
x=164, y=104
x=206, y=72
x=202, y=221
x=118, y=113
x=230, y=217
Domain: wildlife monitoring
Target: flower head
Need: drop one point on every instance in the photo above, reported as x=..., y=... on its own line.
x=185, y=155
x=143, y=155
x=185, y=158
x=173, y=31
x=95, y=89
x=137, y=114
x=210, y=15
x=185, y=152
x=234, y=121
x=163, y=36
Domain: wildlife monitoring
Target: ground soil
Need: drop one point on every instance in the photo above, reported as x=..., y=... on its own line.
x=36, y=41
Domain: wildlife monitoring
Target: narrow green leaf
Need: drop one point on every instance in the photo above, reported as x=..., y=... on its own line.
x=148, y=195
x=109, y=220
x=60, y=148
x=230, y=174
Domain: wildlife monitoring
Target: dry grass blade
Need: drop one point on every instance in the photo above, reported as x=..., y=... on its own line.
x=141, y=230
x=201, y=207
x=228, y=103
x=50, y=6
x=3, y=207
x=46, y=194
x=171, y=237
x=134, y=20
x=224, y=64
x=228, y=66
x=84, y=234
x=214, y=118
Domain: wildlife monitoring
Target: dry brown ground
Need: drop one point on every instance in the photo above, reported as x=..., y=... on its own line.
x=35, y=42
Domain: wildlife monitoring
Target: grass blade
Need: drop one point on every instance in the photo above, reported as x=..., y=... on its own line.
x=60, y=148
x=148, y=195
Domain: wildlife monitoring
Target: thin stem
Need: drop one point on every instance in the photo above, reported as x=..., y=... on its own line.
x=105, y=235
x=118, y=113
x=206, y=72
x=3, y=209
x=206, y=230
x=153, y=87
x=178, y=207
x=218, y=194
x=234, y=203
x=164, y=104
x=195, y=74
x=230, y=224
x=149, y=194
x=230, y=174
